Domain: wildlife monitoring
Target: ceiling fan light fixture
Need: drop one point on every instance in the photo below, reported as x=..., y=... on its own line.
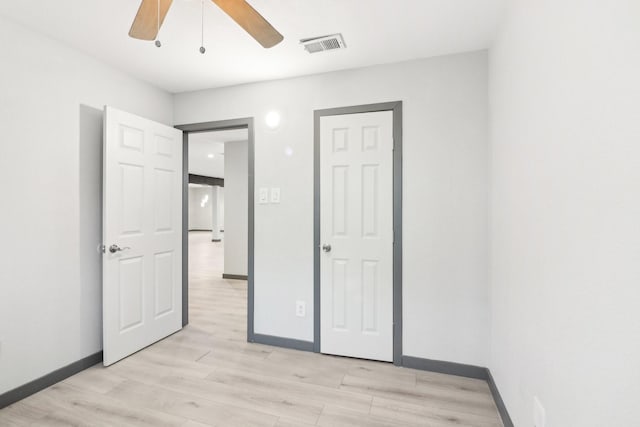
x=149, y=19
x=251, y=21
x=151, y=13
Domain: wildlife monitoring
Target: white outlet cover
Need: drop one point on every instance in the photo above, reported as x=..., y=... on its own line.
x=263, y=196
x=539, y=414
x=301, y=309
x=275, y=195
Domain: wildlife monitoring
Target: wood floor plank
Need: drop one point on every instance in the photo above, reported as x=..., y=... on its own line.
x=284, y=422
x=451, y=381
x=386, y=372
x=171, y=366
x=73, y=406
x=178, y=350
x=190, y=406
x=192, y=423
x=274, y=402
x=465, y=403
x=147, y=372
x=94, y=379
x=21, y=414
x=321, y=395
x=333, y=416
x=432, y=415
x=303, y=370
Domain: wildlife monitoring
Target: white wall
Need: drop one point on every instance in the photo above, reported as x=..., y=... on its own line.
x=236, y=207
x=445, y=194
x=217, y=207
x=565, y=210
x=51, y=101
x=221, y=209
x=200, y=217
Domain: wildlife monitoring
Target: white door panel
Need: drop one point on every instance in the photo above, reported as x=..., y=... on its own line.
x=142, y=283
x=356, y=199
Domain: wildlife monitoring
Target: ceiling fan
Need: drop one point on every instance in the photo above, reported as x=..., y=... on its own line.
x=151, y=15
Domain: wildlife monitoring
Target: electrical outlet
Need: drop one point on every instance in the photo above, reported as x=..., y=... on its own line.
x=301, y=309
x=539, y=414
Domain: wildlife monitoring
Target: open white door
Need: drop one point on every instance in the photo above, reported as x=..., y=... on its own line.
x=142, y=233
x=356, y=231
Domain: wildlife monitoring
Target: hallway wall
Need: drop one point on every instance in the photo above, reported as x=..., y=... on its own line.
x=200, y=217
x=236, y=208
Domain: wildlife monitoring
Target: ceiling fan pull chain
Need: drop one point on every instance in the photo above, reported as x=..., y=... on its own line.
x=202, y=49
x=158, y=44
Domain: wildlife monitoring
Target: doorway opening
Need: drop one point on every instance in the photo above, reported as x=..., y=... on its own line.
x=218, y=225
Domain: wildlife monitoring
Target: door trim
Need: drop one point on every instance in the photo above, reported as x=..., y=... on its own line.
x=396, y=108
x=187, y=129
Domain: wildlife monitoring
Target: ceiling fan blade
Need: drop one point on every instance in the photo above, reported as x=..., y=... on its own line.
x=145, y=25
x=252, y=22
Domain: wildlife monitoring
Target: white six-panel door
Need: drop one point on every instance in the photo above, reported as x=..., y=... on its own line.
x=142, y=228
x=356, y=203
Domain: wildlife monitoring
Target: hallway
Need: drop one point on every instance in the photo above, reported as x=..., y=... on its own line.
x=213, y=300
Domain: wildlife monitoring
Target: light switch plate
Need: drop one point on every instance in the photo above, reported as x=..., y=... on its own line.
x=263, y=196
x=275, y=195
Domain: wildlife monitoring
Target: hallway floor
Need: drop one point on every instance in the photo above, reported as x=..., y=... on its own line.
x=207, y=374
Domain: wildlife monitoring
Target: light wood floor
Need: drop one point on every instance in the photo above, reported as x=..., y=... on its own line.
x=207, y=374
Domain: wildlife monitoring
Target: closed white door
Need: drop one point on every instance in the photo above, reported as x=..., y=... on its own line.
x=142, y=233
x=356, y=232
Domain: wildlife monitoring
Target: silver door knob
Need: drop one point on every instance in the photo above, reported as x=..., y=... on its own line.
x=115, y=248
x=326, y=248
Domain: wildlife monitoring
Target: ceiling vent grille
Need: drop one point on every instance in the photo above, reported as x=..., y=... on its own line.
x=321, y=44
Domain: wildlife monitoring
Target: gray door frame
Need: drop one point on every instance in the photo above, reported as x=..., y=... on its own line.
x=244, y=123
x=396, y=108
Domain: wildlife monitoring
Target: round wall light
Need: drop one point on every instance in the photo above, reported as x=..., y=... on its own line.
x=272, y=119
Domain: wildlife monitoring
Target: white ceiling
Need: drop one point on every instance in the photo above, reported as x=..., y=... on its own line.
x=205, y=143
x=375, y=31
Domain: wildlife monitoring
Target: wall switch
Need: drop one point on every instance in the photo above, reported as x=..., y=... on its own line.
x=263, y=196
x=301, y=309
x=275, y=195
x=539, y=414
